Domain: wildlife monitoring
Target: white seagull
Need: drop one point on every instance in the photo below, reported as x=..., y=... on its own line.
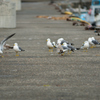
x=85, y=46
x=90, y=42
x=17, y=49
x=50, y=45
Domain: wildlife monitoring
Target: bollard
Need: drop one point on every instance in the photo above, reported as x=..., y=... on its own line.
x=7, y=15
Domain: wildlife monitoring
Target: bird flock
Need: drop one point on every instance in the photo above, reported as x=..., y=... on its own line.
x=4, y=46
x=62, y=46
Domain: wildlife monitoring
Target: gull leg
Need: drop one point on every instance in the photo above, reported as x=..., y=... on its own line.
x=51, y=50
x=94, y=46
x=1, y=55
x=62, y=54
x=86, y=50
x=91, y=46
x=17, y=54
x=70, y=52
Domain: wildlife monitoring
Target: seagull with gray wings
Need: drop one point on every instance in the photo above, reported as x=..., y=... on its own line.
x=95, y=41
x=17, y=49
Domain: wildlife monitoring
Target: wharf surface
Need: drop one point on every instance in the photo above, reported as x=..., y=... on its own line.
x=40, y=75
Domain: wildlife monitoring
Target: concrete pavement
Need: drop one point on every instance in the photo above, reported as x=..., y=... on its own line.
x=39, y=75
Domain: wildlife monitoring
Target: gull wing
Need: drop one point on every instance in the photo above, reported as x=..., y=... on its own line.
x=4, y=41
x=95, y=42
x=21, y=49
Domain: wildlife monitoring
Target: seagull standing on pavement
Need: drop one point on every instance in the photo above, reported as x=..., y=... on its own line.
x=50, y=45
x=17, y=49
x=85, y=46
x=93, y=42
x=90, y=42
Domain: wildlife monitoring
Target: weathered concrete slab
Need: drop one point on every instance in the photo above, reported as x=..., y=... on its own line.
x=40, y=75
x=7, y=15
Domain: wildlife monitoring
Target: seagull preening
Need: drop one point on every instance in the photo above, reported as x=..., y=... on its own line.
x=2, y=44
x=17, y=49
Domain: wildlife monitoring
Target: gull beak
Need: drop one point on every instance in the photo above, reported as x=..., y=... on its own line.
x=46, y=40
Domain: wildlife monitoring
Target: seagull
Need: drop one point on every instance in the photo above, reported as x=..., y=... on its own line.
x=66, y=48
x=85, y=46
x=71, y=48
x=17, y=49
x=93, y=42
x=90, y=42
x=50, y=45
x=59, y=41
x=3, y=43
x=61, y=49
